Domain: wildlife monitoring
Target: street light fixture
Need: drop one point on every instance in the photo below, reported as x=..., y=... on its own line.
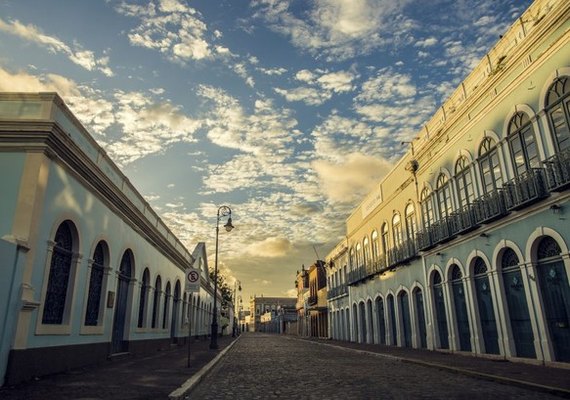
x=237, y=287
x=223, y=211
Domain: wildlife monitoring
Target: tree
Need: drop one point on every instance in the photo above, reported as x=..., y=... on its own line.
x=224, y=288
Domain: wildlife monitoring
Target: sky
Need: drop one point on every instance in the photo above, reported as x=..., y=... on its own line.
x=287, y=111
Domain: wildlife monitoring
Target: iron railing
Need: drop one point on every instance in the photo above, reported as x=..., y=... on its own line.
x=525, y=189
x=557, y=170
x=490, y=207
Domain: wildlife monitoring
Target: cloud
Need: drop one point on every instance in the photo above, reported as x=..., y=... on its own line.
x=172, y=28
x=427, y=42
x=272, y=71
x=320, y=86
x=271, y=247
x=349, y=181
x=337, y=29
x=84, y=58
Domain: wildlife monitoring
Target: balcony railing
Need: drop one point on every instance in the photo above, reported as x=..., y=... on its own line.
x=337, y=291
x=424, y=239
x=442, y=230
x=489, y=207
x=525, y=189
x=312, y=300
x=557, y=169
x=402, y=253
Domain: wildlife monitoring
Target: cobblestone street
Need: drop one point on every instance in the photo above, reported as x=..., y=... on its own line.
x=262, y=366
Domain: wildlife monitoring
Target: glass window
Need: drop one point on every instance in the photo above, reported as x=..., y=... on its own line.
x=465, y=192
x=410, y=222
x=366, y=251
x=59, y=273
x=384, y=238
x=558, y=111
x=95, y=284
x=358, y=255
x=522, y=143
x=156, y=301
x=397, y=229
x=375, y=248
x=427, y=208
x=443, y=193
x=143, y=298
x=491, y=175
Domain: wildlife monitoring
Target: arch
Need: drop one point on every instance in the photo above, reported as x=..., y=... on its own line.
x=420, y=326
x=440, y=314
x=393, y=328
x=539, y=232
x=455, y=276
x=167, y=296
x=120, y=320
x=405, y=322
x=490, y=165
x=470, y=259
x=366, y=251
x=98, y=265
x=143, y=300
x=380, y=319
x=62, y=268
x=522, y=143
x=556, y=104
x=156, y=302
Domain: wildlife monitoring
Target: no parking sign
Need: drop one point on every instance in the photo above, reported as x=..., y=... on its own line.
x=192, y=280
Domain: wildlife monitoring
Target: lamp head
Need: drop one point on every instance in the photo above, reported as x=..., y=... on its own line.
x=229, y=225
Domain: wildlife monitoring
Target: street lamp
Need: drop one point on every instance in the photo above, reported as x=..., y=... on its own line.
x=237, y=286
x=223, y=211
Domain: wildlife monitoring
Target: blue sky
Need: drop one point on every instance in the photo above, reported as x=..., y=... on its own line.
x=285, y=110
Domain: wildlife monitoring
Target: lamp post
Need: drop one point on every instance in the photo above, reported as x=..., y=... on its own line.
x=237, y=287
x=223, y=211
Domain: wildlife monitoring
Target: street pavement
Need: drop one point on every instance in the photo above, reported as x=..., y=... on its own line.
x=136, y=377
x=266, y=366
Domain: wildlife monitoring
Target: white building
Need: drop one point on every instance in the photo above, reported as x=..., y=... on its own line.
x=463, y=246
x=87, y=268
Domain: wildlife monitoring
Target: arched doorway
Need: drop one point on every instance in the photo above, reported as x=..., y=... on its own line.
x=392, y=313
x=362, y=314
x=175, y=305
x=555, y=294
x=381, y=320
x=485, y=306
x=355, y=323
x=406, y=323
x=440, y=316
x=515, y=295
x=461, y=316
x=118, y=342
x=370, y=318
x=421, y=317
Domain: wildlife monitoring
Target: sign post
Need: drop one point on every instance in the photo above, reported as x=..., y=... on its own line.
x=192, y=286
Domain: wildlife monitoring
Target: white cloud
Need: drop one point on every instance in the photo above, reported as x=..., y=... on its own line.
x=272, y=71
x=337, y=29
x=308, y=95
x=270, y=248
x=84, y=58
x=427, y=42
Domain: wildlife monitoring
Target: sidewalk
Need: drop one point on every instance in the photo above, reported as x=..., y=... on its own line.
x=537, y=377
x=151, y=376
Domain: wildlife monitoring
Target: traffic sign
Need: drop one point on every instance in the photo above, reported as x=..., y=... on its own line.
x=192, y=280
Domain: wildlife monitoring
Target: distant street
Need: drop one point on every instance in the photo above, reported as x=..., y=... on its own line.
x=263, y=366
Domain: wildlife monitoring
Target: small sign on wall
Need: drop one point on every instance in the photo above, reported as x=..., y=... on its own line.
x=110, y=299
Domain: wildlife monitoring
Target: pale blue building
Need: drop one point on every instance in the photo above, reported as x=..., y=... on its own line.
x=87, y=269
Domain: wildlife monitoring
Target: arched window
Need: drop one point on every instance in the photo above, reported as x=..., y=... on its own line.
x=167, y=296
x=491, y=175
x=351, y=259
x=375, y=246
x=522, y=143
x=460, y=305
x=440, y=313
x=156, y=301
x=397, y=229
x=59, y=275
x=410, y=222
x=366, y=251
x=96, y=284
x=358, y=255
x=443, y=193
x=427, y=208
x=145, y=285
x=384, y=238
x=558, y=111
x=465, y=192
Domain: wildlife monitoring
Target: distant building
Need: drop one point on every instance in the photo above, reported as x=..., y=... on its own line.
x=301, y=305
x=88, y=270
x=317, y=306
x=463, y=246
x=261, y=305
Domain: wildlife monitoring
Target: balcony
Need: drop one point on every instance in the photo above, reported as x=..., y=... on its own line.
x=313, y=300
x=525, y=189
x=442, y=230
x=489, y=207
x=557, y=169
x=424, y=239
x=402, y=253
x=337, y=291
x=463, y=221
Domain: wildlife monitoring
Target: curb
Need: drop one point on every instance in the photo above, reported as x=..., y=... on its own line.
x=191, y=383
x=481, y=375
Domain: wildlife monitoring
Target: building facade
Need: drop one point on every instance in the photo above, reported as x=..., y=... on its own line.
x=87, y=268
x=259, y=305
x=317, y=302
x=463, y=246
